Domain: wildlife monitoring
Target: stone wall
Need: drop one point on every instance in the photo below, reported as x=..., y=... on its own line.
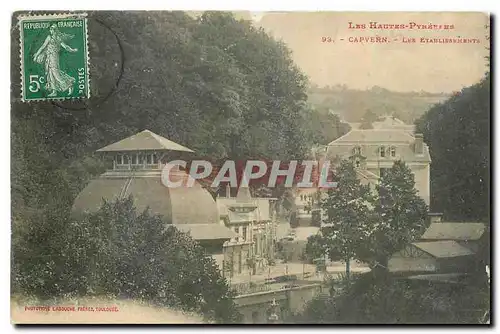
x=256, y=307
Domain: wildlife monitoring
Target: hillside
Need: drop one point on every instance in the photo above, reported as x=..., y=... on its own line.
x=352, y=104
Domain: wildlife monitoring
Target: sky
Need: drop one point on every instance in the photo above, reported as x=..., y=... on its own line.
x=396, y=65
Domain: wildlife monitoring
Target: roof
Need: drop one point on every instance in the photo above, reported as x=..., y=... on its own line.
x=145, y=140
x=454, y=231
x=370, y=141
x=375, y=136
x=207, y=231
x=181, y=205
x=261, y=212
x=443, y=249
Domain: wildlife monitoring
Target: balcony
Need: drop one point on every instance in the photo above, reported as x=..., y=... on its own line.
x=137, y=166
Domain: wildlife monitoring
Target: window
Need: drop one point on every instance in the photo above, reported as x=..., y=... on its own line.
x=393, y=151
x=237, y=230
x=244, y=231
x=382, y=152
x=356, y=150
x=357, y=163
x=122, y=159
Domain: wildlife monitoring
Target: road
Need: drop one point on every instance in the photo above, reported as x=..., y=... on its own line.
x=302, y=233
x=298, y=269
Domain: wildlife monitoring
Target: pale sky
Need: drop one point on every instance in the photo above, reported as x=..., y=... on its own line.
x=396, y=65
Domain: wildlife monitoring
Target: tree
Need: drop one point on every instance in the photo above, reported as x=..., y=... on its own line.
x=347, y=210
x=119, y=253
x=315, y=247
x=400, y=216
x=458, y=134
x=369, y=116
x=365, y=125
x=324, y=125
x=366, y=299
x=370, y=226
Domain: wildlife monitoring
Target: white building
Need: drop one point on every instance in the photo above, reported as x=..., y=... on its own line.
x=252, y=222
x=375, y=150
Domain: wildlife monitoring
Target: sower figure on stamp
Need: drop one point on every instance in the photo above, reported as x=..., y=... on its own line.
x=48, y=54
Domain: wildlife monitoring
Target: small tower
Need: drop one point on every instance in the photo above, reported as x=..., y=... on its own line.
x=143, y=151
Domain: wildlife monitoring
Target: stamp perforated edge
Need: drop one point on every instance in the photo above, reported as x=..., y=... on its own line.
x=24, y=17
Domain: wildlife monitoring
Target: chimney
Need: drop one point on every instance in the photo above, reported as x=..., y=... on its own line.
x=435, y=217
x=419, y=143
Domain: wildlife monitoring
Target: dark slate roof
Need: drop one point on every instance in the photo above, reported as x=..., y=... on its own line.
x=454, y=231
x=181, y=205
x=443, y=249
x=145, y=140
x=207, y=231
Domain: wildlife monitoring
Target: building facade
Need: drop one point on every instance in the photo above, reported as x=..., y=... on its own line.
x=445, y=247
x=252, y=222
x=374, y=151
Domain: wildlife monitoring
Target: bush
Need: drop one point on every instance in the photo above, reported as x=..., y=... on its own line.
x=368, y=300
x=118, y=253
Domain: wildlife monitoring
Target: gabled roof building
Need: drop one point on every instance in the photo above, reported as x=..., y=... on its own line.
x=375, y=150
x=444, y=247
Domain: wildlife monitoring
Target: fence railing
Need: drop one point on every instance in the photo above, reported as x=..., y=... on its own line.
x=287, y=281
x=248, y=288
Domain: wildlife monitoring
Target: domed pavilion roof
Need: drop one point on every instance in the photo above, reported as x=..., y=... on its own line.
x=181, y=205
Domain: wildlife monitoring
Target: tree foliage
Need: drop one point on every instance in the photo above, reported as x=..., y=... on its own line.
x=369, y=225
x=324, y=126
x=215, y=84
x=458, y=134
x=400, y=215
x=119, y=253
x=351, y=104
x=366, y=299
x=346, y=213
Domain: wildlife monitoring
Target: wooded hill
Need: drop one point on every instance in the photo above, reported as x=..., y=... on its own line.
x=352, y=104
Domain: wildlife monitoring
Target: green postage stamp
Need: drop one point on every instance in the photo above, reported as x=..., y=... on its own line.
x=54, y=57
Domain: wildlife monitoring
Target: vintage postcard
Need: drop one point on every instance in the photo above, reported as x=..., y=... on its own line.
x=250, y=167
